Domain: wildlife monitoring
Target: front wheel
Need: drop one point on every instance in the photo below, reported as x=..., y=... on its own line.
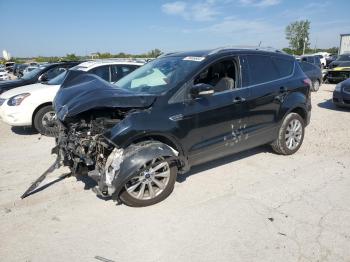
x=290, y=135
x=45, y=121
x=151, y=184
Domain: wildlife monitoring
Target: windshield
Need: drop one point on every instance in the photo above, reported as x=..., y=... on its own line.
x=159, y=75
x=343, y=58
x=58, y=80
x=32, y=73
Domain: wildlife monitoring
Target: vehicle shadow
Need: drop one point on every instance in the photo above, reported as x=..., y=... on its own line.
x=222, y=161
x=328, y=104
x=20, y=130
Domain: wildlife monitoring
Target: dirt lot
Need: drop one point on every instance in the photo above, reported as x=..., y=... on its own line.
x=253, y=206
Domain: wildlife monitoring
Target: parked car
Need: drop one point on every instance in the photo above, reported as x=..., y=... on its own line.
x=341, y=94
x=312, y=59
x=314, y=73
x=4, y=75
x=29, y=69
x=43, y=73
x=15, y=68
x=177, y=111
x=323, y=58
x=330, y=59
x=20, y=69
x=31, y=105
x=9, y=66
x=340, y=59
x=339, y=73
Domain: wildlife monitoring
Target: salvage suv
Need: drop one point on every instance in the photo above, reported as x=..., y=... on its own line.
x=177, y=111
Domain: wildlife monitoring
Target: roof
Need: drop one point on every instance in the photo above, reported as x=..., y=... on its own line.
x=220, y=50
x=85, y=66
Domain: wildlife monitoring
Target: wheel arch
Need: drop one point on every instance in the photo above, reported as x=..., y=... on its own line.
x=165, y=139
x=38, y=108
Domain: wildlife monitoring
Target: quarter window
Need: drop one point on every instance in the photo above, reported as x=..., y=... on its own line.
x=262, y=69
x=284, y=66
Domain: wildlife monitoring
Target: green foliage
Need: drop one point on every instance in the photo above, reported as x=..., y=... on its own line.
x=52, y=59
x=288, y=50
x=296, y=33
x=70, y=57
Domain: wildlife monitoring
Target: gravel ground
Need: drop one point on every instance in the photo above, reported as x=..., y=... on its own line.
x=252, y=206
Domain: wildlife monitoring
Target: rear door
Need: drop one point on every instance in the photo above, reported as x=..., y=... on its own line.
x=216, y=123
x=268, y=87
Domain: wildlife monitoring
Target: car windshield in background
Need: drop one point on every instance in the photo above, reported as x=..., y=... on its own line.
x=343, y=58
x=32, y=73
x=58, y=80
x=159, y=75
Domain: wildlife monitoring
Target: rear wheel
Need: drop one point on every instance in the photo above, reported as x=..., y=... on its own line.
x=45, y=121
x=290, y=135
x=315, y=85
x=151, y=184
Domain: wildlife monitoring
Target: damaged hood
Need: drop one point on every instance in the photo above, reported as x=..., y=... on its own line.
x=81, y=92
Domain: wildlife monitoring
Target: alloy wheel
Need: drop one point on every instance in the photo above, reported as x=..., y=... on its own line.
x=294, y=134
x=151, y=181
x=49, y=119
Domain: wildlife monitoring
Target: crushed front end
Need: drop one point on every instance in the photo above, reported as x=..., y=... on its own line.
x=82, y=146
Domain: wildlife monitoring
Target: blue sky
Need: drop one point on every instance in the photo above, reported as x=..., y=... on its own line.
x=38, y=27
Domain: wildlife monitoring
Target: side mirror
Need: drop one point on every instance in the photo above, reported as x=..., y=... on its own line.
x=43, y=78
x=201, y=89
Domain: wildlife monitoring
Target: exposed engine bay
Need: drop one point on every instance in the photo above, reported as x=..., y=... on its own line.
x=82, y=146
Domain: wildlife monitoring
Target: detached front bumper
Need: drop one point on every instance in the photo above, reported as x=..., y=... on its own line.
x=341, y=99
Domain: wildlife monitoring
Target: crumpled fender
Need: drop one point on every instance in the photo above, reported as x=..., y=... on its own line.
x=135, y=156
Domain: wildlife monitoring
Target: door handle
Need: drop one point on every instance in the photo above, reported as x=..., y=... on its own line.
x=283, y=89
x=238, y=99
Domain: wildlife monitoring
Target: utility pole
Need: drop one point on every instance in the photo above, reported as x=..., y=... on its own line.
x=305, y=40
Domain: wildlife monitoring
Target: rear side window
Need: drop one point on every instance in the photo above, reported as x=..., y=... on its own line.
x=262, y=69
x=284, y=66
x=101, y=71
x=306, y=66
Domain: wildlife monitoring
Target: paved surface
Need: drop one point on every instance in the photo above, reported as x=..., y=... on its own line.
x=253, y=206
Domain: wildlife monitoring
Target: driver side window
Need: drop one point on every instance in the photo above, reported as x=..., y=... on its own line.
x=221, y=76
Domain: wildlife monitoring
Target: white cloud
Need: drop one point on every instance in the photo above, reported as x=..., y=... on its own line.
x=174, y=8
x=200, y=11
x=260, y=3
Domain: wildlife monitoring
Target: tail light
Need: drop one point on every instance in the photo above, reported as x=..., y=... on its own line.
x=308, y=82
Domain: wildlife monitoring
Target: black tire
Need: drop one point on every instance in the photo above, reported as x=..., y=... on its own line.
x=48, y=130
x=128, y=200
x=280, y=144
x=315, y=85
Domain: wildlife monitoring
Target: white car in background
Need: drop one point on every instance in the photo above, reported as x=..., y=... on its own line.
x=31, y=105
x=29, y=69
x=3, y=74
x=323, y=58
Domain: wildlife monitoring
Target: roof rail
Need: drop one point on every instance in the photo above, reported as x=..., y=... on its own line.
x=260, y=48
x=166, y=54
x=136, y=60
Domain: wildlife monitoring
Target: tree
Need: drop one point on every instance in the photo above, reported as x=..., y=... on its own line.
x=154, y=53
x=296, y=33
x=70, y=57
